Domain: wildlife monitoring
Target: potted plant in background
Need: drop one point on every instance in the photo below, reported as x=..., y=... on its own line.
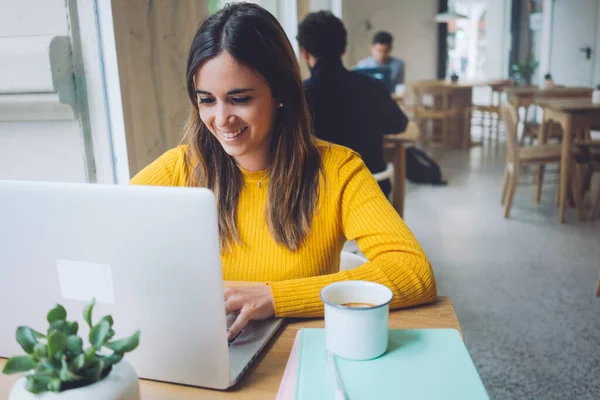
x=58, y=366
x=523, y=71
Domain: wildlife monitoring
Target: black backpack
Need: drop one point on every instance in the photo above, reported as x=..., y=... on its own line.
x=420, y=168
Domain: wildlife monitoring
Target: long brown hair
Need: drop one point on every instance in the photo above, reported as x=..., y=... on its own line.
x=254, y=38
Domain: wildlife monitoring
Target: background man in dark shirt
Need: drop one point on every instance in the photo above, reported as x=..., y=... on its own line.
x=347, y=108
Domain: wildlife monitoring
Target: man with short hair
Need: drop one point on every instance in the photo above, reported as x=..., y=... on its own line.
x=347, y=108
x=381, y=48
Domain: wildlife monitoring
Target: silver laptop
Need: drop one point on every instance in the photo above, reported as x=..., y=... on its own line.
x=151, y=258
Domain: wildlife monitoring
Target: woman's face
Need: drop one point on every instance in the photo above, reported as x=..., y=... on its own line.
x=237, y=106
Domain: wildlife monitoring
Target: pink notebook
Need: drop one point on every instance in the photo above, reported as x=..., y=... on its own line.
x=287, y=387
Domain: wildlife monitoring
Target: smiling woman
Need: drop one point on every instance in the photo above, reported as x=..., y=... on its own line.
x=241, y=70
x=236, y=105
x=286, y=201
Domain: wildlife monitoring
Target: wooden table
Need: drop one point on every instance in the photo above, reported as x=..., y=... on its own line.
x=394, y=147
x=526, y=96
x=399, y=98
x=263, y=378
x=573, y=115
x=460, y=97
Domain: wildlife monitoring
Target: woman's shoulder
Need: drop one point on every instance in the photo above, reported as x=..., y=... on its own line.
x=334, y=155
x=175, y=154
x=169, y=169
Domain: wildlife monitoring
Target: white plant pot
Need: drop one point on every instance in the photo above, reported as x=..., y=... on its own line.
x=121, y=384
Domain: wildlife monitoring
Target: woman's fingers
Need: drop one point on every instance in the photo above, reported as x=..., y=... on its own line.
x=252, y=302
x=233, y=303
x=240, y=322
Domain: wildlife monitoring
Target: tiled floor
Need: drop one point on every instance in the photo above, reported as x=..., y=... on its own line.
x=522, y=287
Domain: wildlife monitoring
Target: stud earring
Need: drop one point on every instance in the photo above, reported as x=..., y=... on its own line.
x=280, y=105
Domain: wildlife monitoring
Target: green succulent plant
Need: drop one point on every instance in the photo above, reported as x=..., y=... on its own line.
x=525, y=69
x=58, y=361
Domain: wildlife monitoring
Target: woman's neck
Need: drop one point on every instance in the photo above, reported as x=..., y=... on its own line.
x=252, y=163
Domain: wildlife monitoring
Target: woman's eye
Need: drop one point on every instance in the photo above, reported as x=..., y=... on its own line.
x=240, y=100
x=206, y=100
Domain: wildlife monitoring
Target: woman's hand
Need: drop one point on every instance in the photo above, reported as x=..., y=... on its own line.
x=253, y=302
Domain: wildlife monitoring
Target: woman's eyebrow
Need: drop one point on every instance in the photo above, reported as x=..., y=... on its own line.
x=240, y=91
x=231, y=92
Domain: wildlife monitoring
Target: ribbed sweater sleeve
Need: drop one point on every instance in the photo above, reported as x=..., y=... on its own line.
x=396, y=260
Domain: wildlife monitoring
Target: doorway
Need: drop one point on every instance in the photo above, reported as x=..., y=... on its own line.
x=573, y=54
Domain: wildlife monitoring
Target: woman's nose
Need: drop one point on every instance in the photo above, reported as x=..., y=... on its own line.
x=224, y=116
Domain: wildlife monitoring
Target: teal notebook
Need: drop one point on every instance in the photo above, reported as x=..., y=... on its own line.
x=419, y=364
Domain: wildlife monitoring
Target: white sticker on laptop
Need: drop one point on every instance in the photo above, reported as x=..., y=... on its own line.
x=82, y=280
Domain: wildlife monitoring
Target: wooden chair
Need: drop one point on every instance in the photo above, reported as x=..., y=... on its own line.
x=535, y=155
x=531, y=129
x=440, y=110
x=404, y=102
x=589, y=157
x=350, y=260
x=388, y=173
x=491, y=109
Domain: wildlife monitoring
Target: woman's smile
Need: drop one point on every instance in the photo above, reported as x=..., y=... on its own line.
x=230, y=135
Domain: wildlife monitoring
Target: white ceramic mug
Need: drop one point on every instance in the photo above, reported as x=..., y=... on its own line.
x=356, y=333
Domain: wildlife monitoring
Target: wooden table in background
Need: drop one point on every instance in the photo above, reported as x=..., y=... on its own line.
x=395, y=151
x=574, y=115
x=264, y=376
x=460, y=98
x=526, y=96
x=398, y=98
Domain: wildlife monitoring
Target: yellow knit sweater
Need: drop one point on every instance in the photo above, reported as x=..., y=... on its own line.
x=352, y=207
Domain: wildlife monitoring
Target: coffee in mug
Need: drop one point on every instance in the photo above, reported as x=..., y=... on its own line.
x=358, y=305
x=356, y=319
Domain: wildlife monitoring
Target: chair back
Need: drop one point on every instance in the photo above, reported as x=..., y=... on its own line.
x=412, y=132
x=388, y=173
x=511, y=123
x=350, y=261
x=498, y=90
x=440, y=92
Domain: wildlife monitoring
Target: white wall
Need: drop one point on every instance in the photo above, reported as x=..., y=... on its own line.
x=335, y=6
x=545, y=38
x=53, y=146
x=412, y=24
x=39, y=150
x=549, y=31
x=596, y=48
x=498, y=38
x=46, y=151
